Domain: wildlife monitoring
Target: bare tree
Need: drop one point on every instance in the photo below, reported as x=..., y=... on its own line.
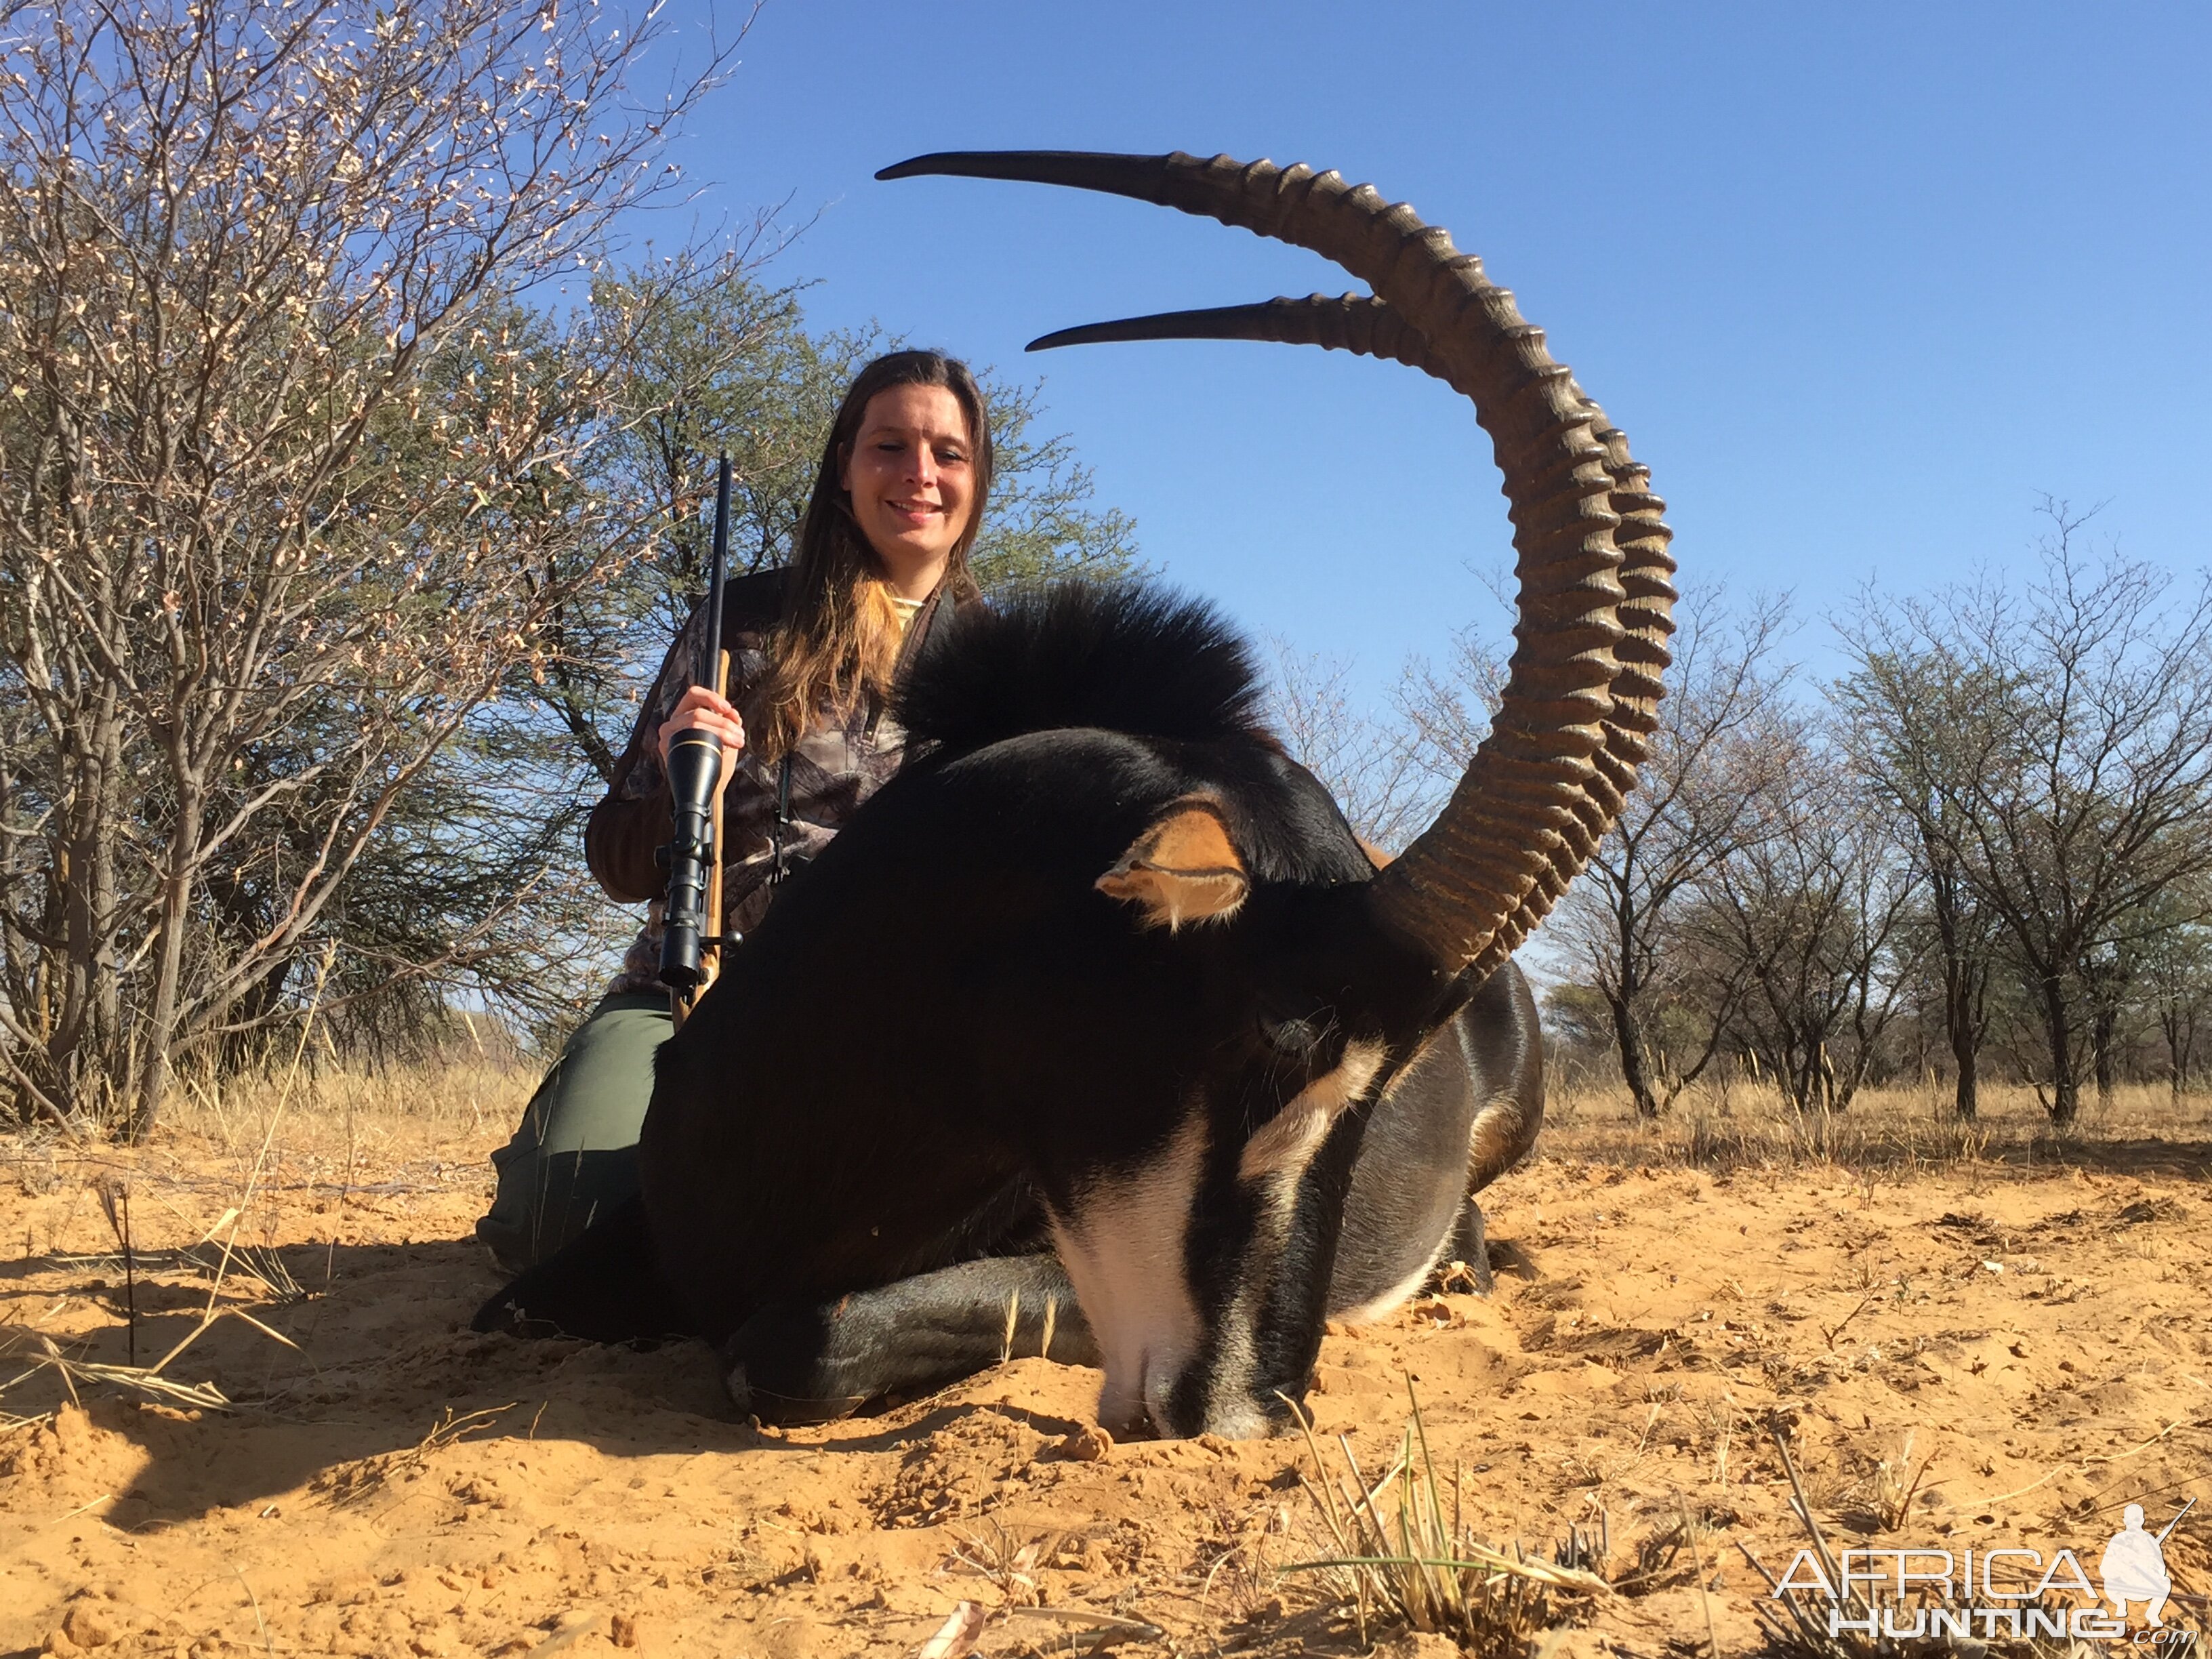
x=1717, y=756
x=1804, y=923
x=279, y=464
x=1370, y=768
x=2067, y=769
x=1916, y=725
x=1444, y=711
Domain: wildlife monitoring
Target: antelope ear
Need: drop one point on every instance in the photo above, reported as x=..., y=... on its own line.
x=1182, y=868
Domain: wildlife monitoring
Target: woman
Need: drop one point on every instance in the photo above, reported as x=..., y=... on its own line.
x=815, y=649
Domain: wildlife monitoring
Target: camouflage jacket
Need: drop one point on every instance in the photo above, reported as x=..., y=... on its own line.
x=845, y=757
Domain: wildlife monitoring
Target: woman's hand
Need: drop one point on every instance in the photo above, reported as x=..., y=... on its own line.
x=703, y=709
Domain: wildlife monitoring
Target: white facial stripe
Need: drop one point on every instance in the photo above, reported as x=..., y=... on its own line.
x=1273, y=1160
x=1293, y=1134
x=1123, y=1250
x=1123, y=1247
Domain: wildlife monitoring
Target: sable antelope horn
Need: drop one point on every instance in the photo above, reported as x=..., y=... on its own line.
x=1350, y=322
x=1595, y=597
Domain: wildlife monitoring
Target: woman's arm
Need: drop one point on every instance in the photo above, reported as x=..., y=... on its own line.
x=636, y=815
x=620, y=840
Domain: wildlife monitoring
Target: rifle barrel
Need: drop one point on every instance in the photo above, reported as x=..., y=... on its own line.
x=2176, y=1521
x=710, y=671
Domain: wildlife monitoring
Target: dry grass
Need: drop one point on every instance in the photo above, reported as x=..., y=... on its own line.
x=1394, y=1560
x=296, y=1125
x=1888, y=1133
x=335, y=1106
x=369, y=1117
x=350, y=1131
x=1896, y=1480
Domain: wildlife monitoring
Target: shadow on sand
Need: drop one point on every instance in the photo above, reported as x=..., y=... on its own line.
x=385, y=1372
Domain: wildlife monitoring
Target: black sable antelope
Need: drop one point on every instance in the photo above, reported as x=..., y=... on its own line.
x=1102, y=972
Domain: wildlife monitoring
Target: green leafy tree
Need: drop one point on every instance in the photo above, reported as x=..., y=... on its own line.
x=2174, y=967
x=714, y=360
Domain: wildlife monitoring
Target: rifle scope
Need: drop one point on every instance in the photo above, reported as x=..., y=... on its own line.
x=694, y=766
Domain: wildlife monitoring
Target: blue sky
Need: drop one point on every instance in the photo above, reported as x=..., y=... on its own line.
x=1859, y=282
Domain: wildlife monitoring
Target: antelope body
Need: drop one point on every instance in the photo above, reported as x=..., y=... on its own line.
x=1094, y=1030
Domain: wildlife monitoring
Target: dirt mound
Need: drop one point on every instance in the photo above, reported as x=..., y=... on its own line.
x=69, y=1459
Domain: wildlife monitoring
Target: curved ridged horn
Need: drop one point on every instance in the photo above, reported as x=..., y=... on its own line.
x=1349, y=322
x=1365, y=325
x=1591, y=549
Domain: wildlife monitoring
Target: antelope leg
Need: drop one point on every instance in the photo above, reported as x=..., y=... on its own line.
x=809, y=1363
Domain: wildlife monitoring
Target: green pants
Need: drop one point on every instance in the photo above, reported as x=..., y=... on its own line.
x=576, y=1155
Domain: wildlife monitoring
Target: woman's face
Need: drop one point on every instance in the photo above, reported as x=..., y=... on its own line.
x=910, y=473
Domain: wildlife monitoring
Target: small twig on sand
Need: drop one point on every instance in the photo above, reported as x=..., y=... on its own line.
x=115, y=1202
x=1704, y=1590
x=256, y=1600
x=1831, y=1333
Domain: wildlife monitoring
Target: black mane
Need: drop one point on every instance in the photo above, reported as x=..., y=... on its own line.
x=1123, y=656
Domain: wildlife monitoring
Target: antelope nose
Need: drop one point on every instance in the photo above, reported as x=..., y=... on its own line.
x=1133, y=1424
x=1139, y=1416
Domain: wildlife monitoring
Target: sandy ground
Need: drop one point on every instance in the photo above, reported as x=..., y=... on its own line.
x=384, y=1482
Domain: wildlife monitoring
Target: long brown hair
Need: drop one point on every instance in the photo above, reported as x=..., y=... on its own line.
x=839, y=633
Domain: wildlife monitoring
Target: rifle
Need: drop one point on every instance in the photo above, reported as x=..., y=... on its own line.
x=691, y=944
x=2176, y=1521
